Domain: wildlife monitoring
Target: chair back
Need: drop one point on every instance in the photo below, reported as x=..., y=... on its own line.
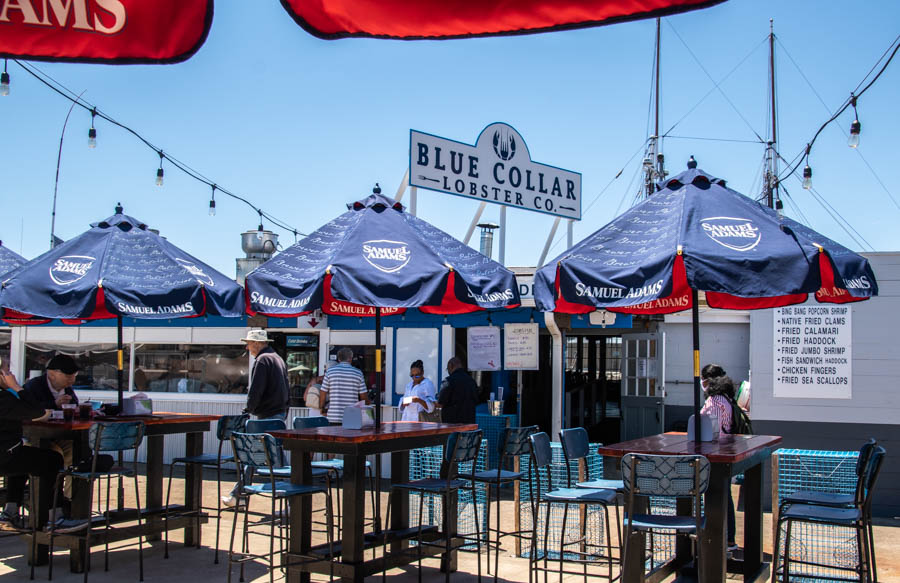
x=116, y=436
x=265, y=426
x=862, y=466
x=575, y=446
x=514, y=441
x=462, y=447
x=541, y=458
x=255, y=450
x=228, y=424
x=675, y=476
x=310, y=422
x=871, y=476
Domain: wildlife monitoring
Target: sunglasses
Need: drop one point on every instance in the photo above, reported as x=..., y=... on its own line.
x=416, y=376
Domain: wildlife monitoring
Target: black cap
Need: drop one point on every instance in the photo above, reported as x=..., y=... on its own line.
x=63, y=363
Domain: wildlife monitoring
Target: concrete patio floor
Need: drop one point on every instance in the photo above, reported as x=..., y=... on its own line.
x=192, y=565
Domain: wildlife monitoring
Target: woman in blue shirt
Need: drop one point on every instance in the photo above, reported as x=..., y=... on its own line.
x=420, y=395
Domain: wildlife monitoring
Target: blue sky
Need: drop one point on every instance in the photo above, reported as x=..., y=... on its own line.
x=302, y=126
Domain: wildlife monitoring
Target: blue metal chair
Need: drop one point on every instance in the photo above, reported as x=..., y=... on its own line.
x=226, y=425
x=841, y=500
x=668, y=476
x=542, y=459
x=105, y=438
x=462, y=447
x=255, y=451
x=855, y=516
x=513, y=443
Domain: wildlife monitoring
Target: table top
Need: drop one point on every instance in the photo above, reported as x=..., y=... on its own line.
x=727, y=449
x=389, y=431
x=160, y=418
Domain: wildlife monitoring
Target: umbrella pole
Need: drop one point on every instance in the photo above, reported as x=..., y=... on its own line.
x=378, y=417
x=120, y=352
x=695, y=326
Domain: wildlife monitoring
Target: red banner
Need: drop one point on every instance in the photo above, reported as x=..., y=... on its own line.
x=104, y=31
x=435, y=19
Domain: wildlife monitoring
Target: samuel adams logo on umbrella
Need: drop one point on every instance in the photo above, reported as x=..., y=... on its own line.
x=386, y=256
x=198, y=273
x=70, y=268
x=731, y=232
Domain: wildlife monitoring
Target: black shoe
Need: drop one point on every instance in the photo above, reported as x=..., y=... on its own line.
x=66, y=525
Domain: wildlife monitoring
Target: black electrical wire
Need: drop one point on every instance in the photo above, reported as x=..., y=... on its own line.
x=66, y=93
x=854, y=96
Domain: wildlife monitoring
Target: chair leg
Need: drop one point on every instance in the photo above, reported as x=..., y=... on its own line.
x=478, y=528
x=99, y=505
x=218, y=508
x=562, y=540
x=419, y=534
x=329, y=519
x=447, y=546
x=862, y=552
x=245, y=542
x=166, y=514
x=33, y=518
x=871, y=540
x=231, y=542
x=496, y=548
x=272, y=541
x=137, y=499
x=786, y=575
x=776, y=552
x=384, y=553
x=546, y=539
x=86, y=559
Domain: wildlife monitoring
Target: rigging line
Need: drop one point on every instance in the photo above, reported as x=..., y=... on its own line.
x=62, y=90
x=614, y=178
x=838, y=218
x=717, y=86
x=876, y=63
x=711, y=91
x=845, y=105
x=878, y=179
x=799, y=212
x=714, y=139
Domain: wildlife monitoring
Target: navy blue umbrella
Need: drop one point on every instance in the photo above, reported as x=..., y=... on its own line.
x=9, y=260
x=696, y=234
x=117, y=268
x=377, y=259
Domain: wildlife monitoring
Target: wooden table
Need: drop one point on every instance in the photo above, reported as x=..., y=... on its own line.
x=729, y=455
x=157, y=426
x=354, y=445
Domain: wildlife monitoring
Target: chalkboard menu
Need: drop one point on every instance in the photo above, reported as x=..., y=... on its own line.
x=813, y=351
x=520, y=346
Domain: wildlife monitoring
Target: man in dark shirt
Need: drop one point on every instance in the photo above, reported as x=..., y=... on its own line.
x=18, y=461
x=458, y=395
x=267, y=397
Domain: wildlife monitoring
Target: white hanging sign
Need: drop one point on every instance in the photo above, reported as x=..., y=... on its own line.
x=497, y=169
x=813, y=351
x=520, y=346
x=483, y=347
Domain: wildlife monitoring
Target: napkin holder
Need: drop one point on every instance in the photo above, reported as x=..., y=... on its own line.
x=137, y=406
x=706, y=430
x=358, y=417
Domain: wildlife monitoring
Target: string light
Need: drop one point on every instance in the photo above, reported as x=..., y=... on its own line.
x=855, y=127
x=807, y=177
x=259, y=231
x=92, y=133
x=212, y=202
x=160, y=172
x=4, y=81
x=67, y=93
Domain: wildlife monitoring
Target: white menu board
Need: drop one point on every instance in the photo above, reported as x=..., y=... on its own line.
x=483, y=347
x=520, y=346
x=813, y=352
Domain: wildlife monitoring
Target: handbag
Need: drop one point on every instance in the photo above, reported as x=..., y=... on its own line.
x=433, y=417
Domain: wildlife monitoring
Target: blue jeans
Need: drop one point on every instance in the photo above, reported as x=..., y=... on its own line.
x=248, y=473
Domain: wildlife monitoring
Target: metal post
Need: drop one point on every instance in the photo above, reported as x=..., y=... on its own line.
x=378, y=416
x=695, y=327
x=548, y=243
x=474, y=223
x=502, y=255
x=56, y=181
x=413, y=199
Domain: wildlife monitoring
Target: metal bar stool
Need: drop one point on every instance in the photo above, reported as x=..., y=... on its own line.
x=670, y=476
x=255, y=451
x=541, y=459
x=106, y=437
x=461, y=447
x=226, y=425
x=513, y=443
x=854, y=517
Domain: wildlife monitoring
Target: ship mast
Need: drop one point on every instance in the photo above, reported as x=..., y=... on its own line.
x=771, y=194
x=654, y=168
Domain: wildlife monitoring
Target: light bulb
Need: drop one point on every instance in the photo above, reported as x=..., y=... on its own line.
x=779, y=208
x=4, y=83
x=807, y=177
x=92, y=138
x=855, y=127
x=159, y=176
x=259, y=232
x=212, y=207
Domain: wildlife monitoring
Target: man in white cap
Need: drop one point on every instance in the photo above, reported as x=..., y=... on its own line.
x=267, y=397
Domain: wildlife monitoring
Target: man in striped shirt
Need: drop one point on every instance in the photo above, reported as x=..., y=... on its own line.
x=343, y=385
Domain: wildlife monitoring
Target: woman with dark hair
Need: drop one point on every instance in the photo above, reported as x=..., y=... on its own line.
x=719, y=395
x=420, y=395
